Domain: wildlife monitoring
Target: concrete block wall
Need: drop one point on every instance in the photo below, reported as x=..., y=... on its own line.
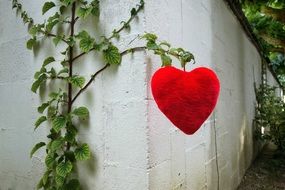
x=134, y=146
x=209, y=30
x=117, y=129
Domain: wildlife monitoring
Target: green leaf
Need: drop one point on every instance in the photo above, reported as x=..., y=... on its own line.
x=48, y=61
x=64, y=168
x=49, y=160
x=166, y=60
x=47, y=6
x=82, y=153
x=83, y=12
x=40, y=121
x=38, y=73
x=77, y=81
x=54, y=95
x=45, y=177
x=58, y=123
x=81, y=112
x=31, y=43
x=70, y=41
x=151, y=45
x=40, y=184
x=57, y=39
x=56, y=144
x=86, y=42
x=54, y=17
x=112, y=55
x=72, y=185
x=33, y=30
x=37, y=147
x=42, y=108
x=83, y=34
x=64, y=70
x=70, y=134
x=50, y=25
x=95, y=8
x=150, y=37
x=59, y=180
x=52, y=72
x=187, y=57
x=51, y=112
x=38, y=82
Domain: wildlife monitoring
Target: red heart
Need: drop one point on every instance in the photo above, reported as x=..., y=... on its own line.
x=186, y=98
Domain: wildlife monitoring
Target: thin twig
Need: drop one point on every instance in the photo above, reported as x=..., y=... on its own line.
x=71, y=57
x=58, y=77
x=125, y=24
x=51, y=35
x=76, y=19
x=123, y=53
x=81, y=54
x=131, y=50
x=89, y=82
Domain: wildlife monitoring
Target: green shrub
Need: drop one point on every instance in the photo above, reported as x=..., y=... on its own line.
x=270, y=116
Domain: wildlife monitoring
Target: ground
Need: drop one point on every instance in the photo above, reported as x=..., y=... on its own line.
x=266, y=173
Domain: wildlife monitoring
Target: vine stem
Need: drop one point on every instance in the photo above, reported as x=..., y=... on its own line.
x=52, y=35
x=130, y=50
x=71, y=57
x=116, y=31
x=89, y=82
x=126, y=23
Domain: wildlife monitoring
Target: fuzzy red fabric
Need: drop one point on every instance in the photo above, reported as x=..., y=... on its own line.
x=186, y=98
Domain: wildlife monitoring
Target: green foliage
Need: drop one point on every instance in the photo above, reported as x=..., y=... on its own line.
x=112, y=55
x=86, y=43
x=31, y=43
x=63, y=149
x=40, y=121
x=42, y=108
x=47, y=6
x=81, y=112
x=82, y=152
x=77, y=81
x=64, y=168
x=39, y=82
x=165, y=51
x=58, y=123
x=267, y=19
x=270, y=116
x=37, y=147
x=89, y=9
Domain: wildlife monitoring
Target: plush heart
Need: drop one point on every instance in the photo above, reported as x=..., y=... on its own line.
x=186, y=98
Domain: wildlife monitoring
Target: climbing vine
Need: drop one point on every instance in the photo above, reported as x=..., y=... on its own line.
x=63, y=150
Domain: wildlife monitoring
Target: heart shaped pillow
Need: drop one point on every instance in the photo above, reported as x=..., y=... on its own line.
x=186, y=98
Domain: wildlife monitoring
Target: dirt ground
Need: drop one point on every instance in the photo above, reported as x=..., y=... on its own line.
x=266, y=173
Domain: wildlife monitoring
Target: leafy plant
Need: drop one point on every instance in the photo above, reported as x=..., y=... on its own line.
x=63, y=149
x=270, y=116
x=267, y=18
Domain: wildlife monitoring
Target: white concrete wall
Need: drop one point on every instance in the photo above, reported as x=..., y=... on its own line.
x=134, y=146
x=209, y=30
x=117, y=130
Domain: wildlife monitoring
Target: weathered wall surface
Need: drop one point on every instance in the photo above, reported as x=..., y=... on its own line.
x=117, y=130
x=134, y=146
x=209, y=30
